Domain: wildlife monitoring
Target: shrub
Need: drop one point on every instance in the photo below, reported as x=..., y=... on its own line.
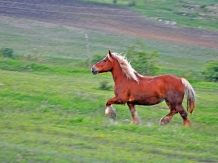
x=104, y=85
x=132, y=3
x=211, y=71
x=203, y=6
x=7, y=52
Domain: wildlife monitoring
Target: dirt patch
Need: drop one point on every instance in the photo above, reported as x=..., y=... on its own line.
x=106, y=18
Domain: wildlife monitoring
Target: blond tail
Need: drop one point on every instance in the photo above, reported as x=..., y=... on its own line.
x=190, y=93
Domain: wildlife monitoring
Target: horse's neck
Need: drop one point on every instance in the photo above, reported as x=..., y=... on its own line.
x=117, y=73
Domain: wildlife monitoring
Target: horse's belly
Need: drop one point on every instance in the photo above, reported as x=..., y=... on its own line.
x=146, y=99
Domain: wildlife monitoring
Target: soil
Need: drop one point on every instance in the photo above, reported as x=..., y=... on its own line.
x=106, y=18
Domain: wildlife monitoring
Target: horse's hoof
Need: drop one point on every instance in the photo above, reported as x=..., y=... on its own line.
x=165, y=120
x=135, y=122
x=110, y=112
x=113, y=114
x=187, y=123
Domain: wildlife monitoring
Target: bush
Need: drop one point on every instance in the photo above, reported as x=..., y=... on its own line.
x=211, y=71
x=143, y=61
x=203, y=6
x=132, y=3
x=104, y=85
x=7, y=52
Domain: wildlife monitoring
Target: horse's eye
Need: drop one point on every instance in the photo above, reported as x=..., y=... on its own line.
x=104, y=60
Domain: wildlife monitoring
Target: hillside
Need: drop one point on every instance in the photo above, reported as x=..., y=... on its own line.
x=106, y=18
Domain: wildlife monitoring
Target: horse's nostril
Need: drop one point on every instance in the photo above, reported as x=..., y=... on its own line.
x=94, y=70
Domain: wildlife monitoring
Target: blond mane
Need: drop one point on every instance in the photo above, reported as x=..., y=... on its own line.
x=125, y=66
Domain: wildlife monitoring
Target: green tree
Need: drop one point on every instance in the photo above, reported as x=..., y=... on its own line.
x=143, y=61
x=104, y=85
x=211, y=71
x=7, y=52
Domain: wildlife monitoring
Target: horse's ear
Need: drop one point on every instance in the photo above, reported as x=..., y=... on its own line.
x=109, y=52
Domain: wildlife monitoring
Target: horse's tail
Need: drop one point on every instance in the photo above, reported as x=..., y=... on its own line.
x=190, y=93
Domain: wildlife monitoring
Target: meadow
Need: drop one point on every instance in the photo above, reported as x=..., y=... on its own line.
x=52, y=109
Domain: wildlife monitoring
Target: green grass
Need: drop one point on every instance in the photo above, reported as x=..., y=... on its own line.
x=52, y=110
x=49, y=116
x=193, y=13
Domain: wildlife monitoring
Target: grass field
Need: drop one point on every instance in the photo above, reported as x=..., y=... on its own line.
x=52, y=110
x=59, y=117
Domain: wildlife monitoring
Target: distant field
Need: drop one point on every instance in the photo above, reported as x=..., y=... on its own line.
x=192, y=13
x=28, y=37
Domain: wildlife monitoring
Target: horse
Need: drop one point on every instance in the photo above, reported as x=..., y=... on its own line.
x=134, y=89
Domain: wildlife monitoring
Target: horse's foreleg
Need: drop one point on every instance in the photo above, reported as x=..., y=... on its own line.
x=110, y=111
x=135, y=117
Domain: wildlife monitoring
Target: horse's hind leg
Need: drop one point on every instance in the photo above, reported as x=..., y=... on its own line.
x=184, y=115
x=168, y=118
x=135, y=117
x=175, y=108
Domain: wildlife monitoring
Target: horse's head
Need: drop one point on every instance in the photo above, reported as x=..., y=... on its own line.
x=104, y=65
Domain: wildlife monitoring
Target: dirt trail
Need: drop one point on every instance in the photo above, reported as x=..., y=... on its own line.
x=111, y=19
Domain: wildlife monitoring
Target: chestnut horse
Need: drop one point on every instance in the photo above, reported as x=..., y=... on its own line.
x=135, y=89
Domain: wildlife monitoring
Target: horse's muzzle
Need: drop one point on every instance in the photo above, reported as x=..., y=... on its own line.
x=94, y=70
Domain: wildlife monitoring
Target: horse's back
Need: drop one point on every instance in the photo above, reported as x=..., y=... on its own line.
x=153, y=90
x=169, y=79
x=170, y=82
x=163, y=80
x=164, y=84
